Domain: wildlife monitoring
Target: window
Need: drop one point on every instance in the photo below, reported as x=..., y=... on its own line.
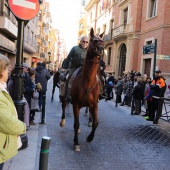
x=125, y=16
x=111, y=26
x=148, y=42
x=109, y=55
x=152, y=7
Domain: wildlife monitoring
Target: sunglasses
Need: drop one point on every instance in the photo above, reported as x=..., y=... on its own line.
x=85, y=42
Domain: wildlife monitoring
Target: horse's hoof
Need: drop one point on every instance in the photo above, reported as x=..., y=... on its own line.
x=88, y=139
x=90, y=124
x=62, y=123
x=77, y=148
x=79, y=131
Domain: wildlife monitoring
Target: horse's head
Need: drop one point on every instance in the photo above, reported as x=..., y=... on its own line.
x=96, y=43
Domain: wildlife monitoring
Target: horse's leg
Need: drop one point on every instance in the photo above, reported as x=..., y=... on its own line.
x=63, y=104
x=94, y=114
x=90, y=119
x=86, y=112
x=76, y=112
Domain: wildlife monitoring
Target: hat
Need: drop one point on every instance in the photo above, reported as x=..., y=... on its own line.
x=158, y=71
x=25, y=65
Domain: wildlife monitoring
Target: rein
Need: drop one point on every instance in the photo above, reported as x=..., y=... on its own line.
x=89, y=90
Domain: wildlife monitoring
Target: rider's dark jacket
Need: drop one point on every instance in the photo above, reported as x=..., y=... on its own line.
x=75, y=57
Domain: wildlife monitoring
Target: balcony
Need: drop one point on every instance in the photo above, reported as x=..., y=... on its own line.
x=6, y=43
x=42, y=55
x=107, y=37
x=121, y=31
x=7, y=27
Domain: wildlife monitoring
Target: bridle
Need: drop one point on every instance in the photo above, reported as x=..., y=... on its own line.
x=89, y=90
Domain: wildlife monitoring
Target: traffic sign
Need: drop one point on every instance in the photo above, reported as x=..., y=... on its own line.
x=148, y=49
x=24, y=9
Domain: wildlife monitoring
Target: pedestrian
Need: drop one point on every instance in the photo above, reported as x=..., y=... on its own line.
x=10, y=126
x=28, y=85
x=146, y=92
x=34, y=98
x=137, y=94
x=129, y=88
x=119, y=90
x=148, y=99
x=109, y=86
x=42, y=76
x=158, y=87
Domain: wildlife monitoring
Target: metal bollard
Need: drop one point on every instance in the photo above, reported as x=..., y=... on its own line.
x=43, y=110
x=45, y=144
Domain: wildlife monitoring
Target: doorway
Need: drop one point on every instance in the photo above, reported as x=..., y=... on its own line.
x=147, y=68
x=122, y=60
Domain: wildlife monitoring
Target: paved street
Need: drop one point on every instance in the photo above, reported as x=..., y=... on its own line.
x=121, y=142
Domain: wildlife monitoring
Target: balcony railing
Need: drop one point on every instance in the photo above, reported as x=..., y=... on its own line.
x=119, y=30
x=107, y=37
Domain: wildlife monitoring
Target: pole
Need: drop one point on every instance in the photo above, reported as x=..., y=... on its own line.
x=154, y=60
x=43, y=110
x=18, y=80
x=44, y=152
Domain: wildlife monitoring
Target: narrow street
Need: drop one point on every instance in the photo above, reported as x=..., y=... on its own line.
x=121, y=142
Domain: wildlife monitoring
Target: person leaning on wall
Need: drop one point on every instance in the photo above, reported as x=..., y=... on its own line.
x=10, y=126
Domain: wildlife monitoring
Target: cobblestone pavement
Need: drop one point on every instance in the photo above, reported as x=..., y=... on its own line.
x=121, y=142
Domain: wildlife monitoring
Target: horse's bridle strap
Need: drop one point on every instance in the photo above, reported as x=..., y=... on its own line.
x=89, y=90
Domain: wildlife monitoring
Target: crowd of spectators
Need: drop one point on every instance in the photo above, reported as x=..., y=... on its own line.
x=140, y=89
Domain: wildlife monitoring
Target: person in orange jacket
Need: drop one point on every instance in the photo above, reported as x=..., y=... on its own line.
x=158, y=86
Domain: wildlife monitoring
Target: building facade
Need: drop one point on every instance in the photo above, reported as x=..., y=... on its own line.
x=8, y=32
x=129, y=26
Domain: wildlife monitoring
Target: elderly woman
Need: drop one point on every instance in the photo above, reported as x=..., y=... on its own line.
x=10, y=126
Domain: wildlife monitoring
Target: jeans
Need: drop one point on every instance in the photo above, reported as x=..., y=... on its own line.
x=1, y=166
x=41, y=94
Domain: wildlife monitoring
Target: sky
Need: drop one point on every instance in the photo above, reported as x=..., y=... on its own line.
x=65, y=15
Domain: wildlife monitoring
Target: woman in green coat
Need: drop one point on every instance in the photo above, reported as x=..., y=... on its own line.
x=10, y=126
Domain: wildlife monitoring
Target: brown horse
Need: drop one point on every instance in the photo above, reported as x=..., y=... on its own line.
x=85, y=88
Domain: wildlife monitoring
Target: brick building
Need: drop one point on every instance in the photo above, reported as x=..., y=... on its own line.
x=128, y=26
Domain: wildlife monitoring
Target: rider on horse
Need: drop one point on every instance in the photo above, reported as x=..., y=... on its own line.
x=76, y=57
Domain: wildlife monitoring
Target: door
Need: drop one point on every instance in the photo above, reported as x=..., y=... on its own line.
x=122, y=60
x=147, y=68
